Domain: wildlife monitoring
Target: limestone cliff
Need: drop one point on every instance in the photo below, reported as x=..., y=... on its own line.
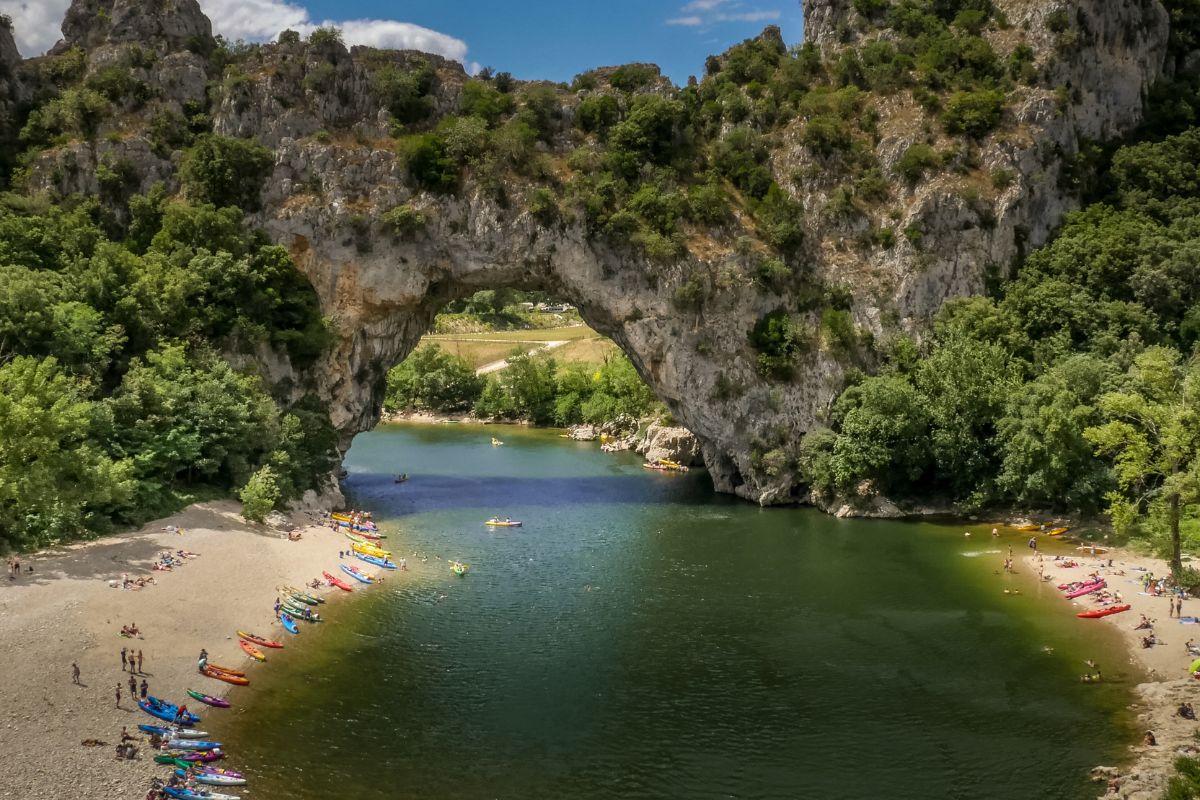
x=897, y=252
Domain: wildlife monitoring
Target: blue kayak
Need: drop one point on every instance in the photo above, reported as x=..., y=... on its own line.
x=289, y=624
x=379, y=562
x=196, y=794
x=192, y=744
x=166, y=711
x=353, y=573
x=173, y=733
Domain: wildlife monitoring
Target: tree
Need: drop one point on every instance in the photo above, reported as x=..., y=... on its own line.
x=432, y=380
x=1152, y=437
x=55, y=482
x=259, y=495
x=225, y=171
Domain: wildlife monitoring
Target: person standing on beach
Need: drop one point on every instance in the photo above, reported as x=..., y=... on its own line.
x=132, y=686
x=119, y=694
x=123, y=652
x=139, y=662
x=145, y=688
x=132, y=662
x=75, y=674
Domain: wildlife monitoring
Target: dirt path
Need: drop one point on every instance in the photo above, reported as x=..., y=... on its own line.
x=496, y=366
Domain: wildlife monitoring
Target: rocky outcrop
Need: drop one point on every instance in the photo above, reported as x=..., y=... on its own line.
x=670, y=443
x=337, y=174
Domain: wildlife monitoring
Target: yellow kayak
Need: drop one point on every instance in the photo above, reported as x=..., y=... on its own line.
x=1029, y=528
x=1057, y=531
x=504, y=523
x=369, y=550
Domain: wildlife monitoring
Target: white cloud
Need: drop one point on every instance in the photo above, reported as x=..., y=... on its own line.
x=37, y=24
x=707, y=13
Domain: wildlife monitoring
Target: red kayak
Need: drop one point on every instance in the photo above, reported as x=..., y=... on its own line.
x=338, y=582
x=1070, y=587
x=258, y=640
x=1087, y=589
x=1103, y=612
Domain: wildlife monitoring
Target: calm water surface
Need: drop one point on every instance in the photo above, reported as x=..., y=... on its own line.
x=641, y=637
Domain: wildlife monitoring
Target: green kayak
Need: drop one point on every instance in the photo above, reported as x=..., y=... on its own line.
x=298, y=613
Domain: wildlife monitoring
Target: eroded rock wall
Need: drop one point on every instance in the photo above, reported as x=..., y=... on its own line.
x=336, y=174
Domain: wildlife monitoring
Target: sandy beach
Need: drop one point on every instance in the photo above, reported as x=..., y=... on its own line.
x=66, y=611
x=1166, y=663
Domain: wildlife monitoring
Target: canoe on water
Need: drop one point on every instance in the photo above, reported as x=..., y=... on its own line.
x=192, y=744
x=258, y=640
x=197, y=794
x=503, y=523
x=376, y=560
x=173, y=732
x=459, y=569
x=164, y=710
x=208, y=699
x=289, y=624
x=356, y=573
x=218, y=674
x=252, y=651
x=338, y=582
x=213, y=778
x=1103, y=612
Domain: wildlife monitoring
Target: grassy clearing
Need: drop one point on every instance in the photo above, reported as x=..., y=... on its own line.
x=477, y=349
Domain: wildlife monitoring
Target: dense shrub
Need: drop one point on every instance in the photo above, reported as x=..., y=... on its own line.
x=226, y=172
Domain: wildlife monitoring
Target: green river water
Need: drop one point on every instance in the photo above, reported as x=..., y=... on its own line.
x=643, y=637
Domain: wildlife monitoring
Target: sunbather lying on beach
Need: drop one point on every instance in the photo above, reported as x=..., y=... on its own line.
x=1145, y=623
x=1149, y=641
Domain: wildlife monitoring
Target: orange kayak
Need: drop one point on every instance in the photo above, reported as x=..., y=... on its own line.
x=252, y=651
x=228, y=677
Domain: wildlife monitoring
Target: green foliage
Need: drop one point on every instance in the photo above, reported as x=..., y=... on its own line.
x=916, y=161
x=973, y=114
x=226, y=172
x=325, y=37
x=481, y=100
x=432, y=380
x=56, y=481
x=405, y=92
x=75, y=113
x=632, y=77
x=259, y=495
x=405, y=221
x=780, y=339
x=648, y=134
x=741, y=157
x=598, y=113
x=429, y=162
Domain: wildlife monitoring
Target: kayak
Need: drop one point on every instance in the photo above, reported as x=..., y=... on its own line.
x=1070, y=587
x=189, y=756
x=299, y=613
x=368, y=524
x=197, y=794
x=192, y=744
x=200, y=767
x=1095, y=587
x=376, y=560
x=289, y=624
x=252, y=651
x=504, y=523
x=227, y=670
x=173, y=733
x=1029, y=527
x=213, y=778
x=258, y=640
x=1087, y=548
x=1057, y=531
x=208, y=699
x=338, y=582
x=220, y=675
x=371, y=550
x=371, y=533
x=164, y=710
x=1103, y=612
x=354, y=537
x=302, y=596
x=459, y=569
x=356, y=573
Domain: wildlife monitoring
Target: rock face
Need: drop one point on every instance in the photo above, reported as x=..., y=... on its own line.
x=337, y=174
x=670, y=443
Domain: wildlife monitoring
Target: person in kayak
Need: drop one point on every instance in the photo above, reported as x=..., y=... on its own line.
x=181, y=715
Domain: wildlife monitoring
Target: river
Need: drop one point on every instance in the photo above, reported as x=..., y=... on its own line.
x=642, y=637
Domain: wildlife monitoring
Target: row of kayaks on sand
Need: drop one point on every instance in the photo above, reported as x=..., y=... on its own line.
x=1088, y=586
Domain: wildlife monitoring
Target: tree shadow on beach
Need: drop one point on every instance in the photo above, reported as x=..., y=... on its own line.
x=108, y=558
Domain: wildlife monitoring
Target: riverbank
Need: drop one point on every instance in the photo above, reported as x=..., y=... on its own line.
x=1166, y=663
x=66, y=611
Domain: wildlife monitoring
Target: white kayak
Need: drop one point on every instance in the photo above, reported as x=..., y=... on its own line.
x=216, y=779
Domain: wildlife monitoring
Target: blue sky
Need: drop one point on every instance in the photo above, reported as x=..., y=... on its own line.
x=552, y=39
x=557, y=39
